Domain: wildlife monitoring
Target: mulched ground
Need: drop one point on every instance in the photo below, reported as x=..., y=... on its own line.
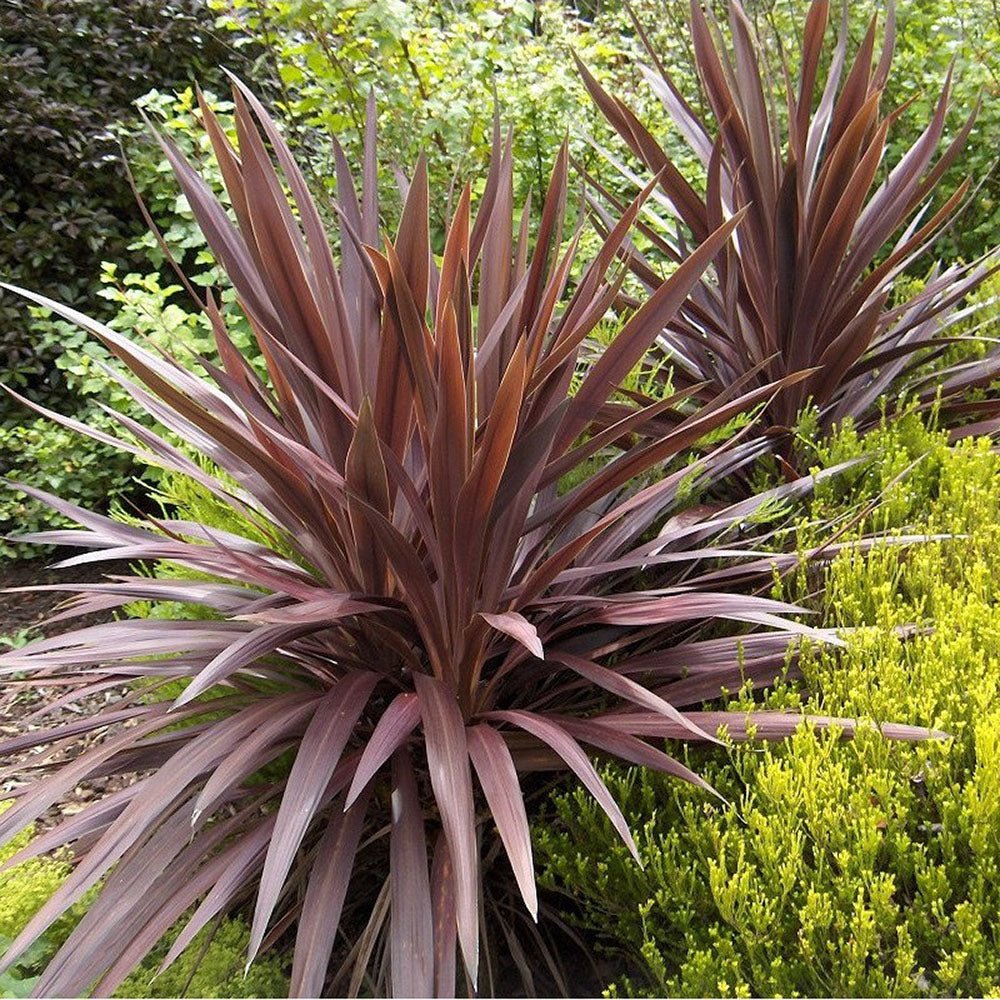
x=20, y=611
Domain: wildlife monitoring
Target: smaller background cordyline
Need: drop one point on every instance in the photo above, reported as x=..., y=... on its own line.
x=417, y=613
x=809, y=281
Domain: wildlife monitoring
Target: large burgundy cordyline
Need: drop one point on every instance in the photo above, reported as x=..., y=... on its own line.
x=450, y=618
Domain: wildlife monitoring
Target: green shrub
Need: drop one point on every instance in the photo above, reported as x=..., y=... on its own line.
x=839, y=868
x=435, y=68
x=22, y=891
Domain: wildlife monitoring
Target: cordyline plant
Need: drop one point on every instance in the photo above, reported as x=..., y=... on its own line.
x=437, y=617
x=809, y=281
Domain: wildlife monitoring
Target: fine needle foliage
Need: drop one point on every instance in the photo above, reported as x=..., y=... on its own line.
x=809, y=281
x=436, y=615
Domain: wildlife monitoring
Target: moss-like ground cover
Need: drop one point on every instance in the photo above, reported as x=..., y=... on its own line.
x=209, y=968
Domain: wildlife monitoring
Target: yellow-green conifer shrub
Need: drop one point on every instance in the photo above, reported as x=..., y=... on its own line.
x=863, y=868
x=22, y=891
x=215, y=969
x=212, y=969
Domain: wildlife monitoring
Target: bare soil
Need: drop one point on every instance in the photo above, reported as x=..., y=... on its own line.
x=21, y=611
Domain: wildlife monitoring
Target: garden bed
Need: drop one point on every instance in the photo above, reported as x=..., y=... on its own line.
x=20, y=613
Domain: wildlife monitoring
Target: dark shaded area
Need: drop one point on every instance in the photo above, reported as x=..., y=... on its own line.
x=69, y=72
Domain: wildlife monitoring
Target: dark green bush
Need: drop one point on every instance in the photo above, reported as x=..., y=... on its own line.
x=69, y=72
x=145, y=302
x=840, y=869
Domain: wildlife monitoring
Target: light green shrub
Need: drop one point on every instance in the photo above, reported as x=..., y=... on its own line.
x=22, y=891
x=40, y=453
x=435, y=68
x=212, y=970
x=839, y=868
